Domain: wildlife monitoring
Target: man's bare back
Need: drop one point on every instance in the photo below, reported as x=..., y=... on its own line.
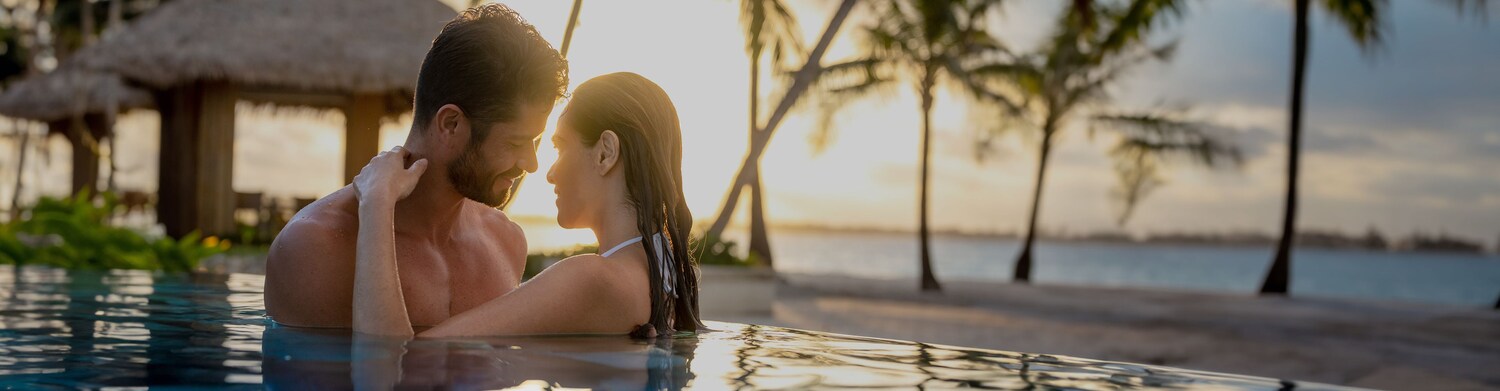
x=310, y=269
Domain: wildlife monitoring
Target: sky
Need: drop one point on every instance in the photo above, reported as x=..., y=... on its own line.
x=1405, y=138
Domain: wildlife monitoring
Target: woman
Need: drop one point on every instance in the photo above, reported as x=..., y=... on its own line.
x=618, y=173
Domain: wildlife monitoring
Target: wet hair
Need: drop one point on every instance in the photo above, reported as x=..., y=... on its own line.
x=489, y=62
x=644, y=119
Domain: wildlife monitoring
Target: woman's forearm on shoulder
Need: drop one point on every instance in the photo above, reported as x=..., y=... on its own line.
x=379, y=307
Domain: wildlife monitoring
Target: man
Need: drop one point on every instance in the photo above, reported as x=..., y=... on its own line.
x=483, y=96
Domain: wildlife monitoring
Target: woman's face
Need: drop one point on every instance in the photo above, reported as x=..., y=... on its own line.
x=574, y=178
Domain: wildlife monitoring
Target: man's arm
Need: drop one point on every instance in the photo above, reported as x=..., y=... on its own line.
x=310, y=275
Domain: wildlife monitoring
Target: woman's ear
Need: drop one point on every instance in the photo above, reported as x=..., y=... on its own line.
x=608, y=152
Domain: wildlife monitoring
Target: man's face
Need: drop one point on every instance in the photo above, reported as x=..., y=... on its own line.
x=487, y=167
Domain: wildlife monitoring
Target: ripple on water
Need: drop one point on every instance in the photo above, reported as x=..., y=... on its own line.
x=133, y=328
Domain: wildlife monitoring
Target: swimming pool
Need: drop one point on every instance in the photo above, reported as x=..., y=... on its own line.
x=65, y=330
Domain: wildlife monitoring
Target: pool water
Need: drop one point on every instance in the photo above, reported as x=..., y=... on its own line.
x=65, y=330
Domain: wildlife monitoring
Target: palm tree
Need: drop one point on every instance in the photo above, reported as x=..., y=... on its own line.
x=768, y=24
x=922, y=40
x=1362, y=20
x=802, y=78
x=1095, y=44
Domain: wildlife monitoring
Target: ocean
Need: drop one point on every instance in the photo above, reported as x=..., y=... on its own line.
x=1420, y=277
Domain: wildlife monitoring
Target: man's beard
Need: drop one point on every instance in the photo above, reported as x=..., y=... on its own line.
x=472, y=184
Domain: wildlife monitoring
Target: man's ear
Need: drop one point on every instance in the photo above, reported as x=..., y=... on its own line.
x=450, y=124
x=607, y=152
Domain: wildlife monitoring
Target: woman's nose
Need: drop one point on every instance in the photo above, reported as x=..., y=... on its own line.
x=549, y=173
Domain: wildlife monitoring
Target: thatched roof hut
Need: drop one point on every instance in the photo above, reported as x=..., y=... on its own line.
x=332, y=46
x=75, y=103
x=70, y=92
x=202, y=56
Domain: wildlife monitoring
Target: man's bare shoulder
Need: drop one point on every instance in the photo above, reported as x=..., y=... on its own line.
x=329, y=220
x=310, y=267
x=496, y=224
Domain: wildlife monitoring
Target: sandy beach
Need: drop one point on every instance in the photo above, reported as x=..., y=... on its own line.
x=1400, y=346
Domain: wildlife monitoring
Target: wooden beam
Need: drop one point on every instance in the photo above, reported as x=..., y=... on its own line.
x=297, y=98
x=361, y=132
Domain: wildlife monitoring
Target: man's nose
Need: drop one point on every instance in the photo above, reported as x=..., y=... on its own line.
x=528, y=161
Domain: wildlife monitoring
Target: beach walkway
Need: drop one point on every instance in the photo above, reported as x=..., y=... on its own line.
x=1378, y=345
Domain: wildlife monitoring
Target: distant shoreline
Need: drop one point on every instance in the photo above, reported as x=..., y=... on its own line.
x=1312, y=239
x=1373, y=240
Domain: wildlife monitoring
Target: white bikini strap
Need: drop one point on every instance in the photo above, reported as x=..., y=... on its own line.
x=621, y=245
x=665, y=263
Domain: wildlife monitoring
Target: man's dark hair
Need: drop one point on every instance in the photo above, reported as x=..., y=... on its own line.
x=489, y=62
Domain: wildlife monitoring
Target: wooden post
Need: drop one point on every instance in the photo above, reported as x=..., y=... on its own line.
x=197, y=159
x=85, y=157
x=216, y=160
x=361, y=132
x=83, y=134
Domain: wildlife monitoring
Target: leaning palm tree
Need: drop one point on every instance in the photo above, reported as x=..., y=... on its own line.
x=920, y=40
x=769, y=25
x=1095, y=44
x=801, y=80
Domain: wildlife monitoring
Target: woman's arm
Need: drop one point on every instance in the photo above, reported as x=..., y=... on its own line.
x=379, y=307
x=575, y=296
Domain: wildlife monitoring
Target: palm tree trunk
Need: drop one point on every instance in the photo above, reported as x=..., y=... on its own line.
x=800, y=82
x=760, y=241
x=1023, y=261
x=929, y=281
x=15, y=197
x=572, y=22
x=760, y=244
x=733, y=200
x=730, y=202
x=1279, y=277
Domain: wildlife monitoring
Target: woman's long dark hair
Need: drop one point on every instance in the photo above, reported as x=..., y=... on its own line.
x=643, y=117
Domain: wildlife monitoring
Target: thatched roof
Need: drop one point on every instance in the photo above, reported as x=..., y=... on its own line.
x=329, y=46
x=68, y=92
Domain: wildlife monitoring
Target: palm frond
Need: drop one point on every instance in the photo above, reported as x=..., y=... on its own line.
x=1139, y=19
x=1478, y=8
x=1364, y=20
x=1168, y=137
x=1137, y=175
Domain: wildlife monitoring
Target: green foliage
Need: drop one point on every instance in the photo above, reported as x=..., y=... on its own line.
x=75, y=233
x=717, y=251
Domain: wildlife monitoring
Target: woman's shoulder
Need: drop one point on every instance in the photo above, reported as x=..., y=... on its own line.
x=592, y=264
x=613, y=272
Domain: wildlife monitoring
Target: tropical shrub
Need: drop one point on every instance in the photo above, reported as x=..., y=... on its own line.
x=76, y=233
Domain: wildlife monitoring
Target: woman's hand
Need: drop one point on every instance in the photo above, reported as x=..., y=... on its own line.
x=386, y=180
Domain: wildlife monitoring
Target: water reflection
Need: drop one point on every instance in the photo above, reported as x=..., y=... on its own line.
x=299, y=358
x=107, y=329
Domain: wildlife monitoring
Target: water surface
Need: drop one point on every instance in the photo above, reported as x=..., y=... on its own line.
x=64, y=330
